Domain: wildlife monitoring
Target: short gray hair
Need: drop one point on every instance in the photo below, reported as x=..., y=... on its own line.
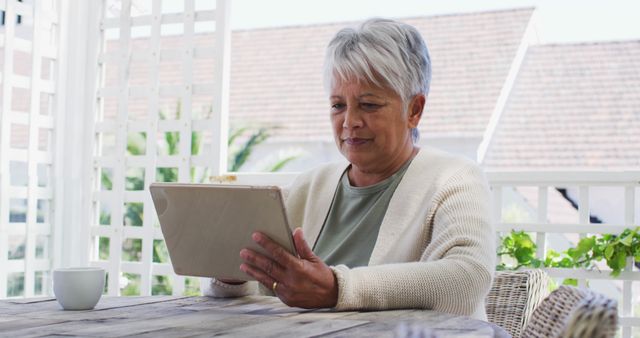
x=382, y=52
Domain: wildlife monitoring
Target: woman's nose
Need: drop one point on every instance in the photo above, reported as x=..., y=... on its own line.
x=352, y=119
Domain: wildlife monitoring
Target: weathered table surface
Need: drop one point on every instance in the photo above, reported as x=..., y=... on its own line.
x=256, y=316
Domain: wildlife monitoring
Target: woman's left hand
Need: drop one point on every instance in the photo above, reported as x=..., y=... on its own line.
x=305, y=282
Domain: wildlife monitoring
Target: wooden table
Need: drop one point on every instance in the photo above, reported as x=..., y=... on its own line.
x=256, y=316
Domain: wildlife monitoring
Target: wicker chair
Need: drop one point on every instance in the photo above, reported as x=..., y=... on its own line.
x=514, y=296
x=570, y=312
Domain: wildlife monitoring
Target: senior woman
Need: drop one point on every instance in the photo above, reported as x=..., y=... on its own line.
x=395, y=226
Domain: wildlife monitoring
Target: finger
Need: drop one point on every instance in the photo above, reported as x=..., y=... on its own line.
x=277, y=252
x=260, y=276
x=302, y=247
x=267, y=265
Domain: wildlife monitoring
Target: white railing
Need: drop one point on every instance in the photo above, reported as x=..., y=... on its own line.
x=584, y=183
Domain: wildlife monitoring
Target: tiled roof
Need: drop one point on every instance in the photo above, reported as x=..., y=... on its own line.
x=471, y=56
x=573, y=106
x=276, y=73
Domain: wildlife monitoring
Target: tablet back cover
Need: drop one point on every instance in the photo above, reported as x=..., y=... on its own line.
x=206, y=226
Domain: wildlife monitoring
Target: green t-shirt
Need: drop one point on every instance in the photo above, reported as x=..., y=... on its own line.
x=351, y=228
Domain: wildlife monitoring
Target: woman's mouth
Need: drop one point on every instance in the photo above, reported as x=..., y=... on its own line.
x=355, y=141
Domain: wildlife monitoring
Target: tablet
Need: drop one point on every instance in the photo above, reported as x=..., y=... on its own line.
x=205, y=226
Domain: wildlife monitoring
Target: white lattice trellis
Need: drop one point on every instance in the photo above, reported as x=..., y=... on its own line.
x=29, y=66
x=118, y=201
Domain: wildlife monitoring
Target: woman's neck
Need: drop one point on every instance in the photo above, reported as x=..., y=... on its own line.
x=365, y=178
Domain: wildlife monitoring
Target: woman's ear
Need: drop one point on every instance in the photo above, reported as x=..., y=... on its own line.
x=415, y=109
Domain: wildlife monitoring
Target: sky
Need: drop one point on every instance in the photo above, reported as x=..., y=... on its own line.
x=557, y=20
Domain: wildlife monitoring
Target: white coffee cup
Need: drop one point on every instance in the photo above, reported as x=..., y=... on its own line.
x=78, y=288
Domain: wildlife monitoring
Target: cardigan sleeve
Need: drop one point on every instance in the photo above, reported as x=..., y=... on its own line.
x=456, y=267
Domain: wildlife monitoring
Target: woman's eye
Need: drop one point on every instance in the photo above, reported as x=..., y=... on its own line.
x=337, y=106
x=370, y=106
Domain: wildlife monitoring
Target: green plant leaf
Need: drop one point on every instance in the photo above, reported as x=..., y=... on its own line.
x=524, y=255
x=627, y=240
x=280, y=164
x=536, y=263
x=617, y=262
x=196, y=140
x=566, y=263
x=136, y=143
x=570, y=281
x=608, y=252
x=614, y=249
x=235, y=133
x=106, y=181
x=134, y=183
x=586, y=244
x=242, y=155
x=573, y=253
x=167, y=174
x=552, y=253
x=508, y=240
x=172, y=140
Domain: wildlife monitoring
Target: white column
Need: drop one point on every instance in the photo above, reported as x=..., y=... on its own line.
x=221, y=70
x=73, y=174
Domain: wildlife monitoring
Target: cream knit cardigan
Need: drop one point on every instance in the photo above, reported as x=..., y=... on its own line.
x=436, y=245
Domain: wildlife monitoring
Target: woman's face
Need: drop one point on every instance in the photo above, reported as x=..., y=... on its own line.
x=369, y=125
